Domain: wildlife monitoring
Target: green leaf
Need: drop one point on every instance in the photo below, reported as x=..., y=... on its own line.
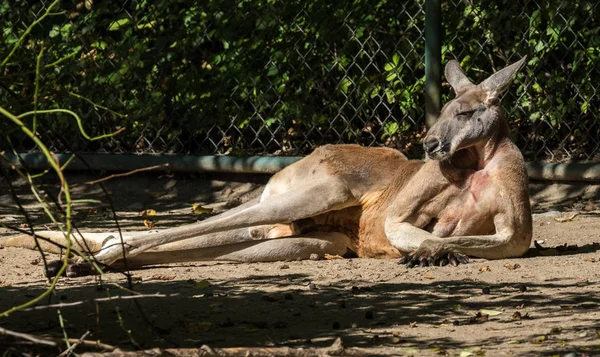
x=345, y=84
x=118, y=24
x=490, y=312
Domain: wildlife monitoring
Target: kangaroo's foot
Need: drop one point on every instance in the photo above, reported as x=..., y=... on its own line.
x=430, y=260
x=73, y=269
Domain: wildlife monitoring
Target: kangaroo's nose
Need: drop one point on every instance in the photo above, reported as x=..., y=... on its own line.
x=430, y=145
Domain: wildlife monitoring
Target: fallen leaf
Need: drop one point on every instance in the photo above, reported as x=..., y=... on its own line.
x=411, y=352
x=149, y=224
x=591, y=260
x=198, y=209
x=271, y=297
x=512, y=266
x=201, y=326
x=331, y=257
x=155, y=194
x=490, y=312
x=566, y=219
x=583, y=334
x=162, y=277
x=513, y=342
x=412, y=324
x=492, y=329
x=555, y=330
x=428, y=276
x=539, y=340
x=479, y=318
x=202, y=284
x=485, y=268
x=472, y=351
x=518, y=317
x=395, y=340
x=147, y=212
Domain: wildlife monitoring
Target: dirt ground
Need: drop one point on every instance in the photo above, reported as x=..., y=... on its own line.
x=545, y=304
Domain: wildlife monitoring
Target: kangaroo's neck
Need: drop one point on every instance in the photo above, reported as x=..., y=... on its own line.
x=481, y=155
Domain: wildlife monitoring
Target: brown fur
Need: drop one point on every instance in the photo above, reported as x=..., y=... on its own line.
x=468, y=197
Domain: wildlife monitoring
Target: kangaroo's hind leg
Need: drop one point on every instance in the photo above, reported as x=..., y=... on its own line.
x=265, y=250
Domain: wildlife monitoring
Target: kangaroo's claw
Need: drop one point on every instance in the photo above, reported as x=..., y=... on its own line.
x=414, y=260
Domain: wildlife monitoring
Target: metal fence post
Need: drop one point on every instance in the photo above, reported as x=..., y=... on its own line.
x=433, y=61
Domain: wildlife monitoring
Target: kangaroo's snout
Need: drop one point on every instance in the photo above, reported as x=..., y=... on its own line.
x=431, y=144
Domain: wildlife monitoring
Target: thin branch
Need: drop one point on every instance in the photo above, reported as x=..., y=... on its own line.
x=28, y=337
x=110, y=298
x=122, y=174
x=60, y=60
x=77, y=118
x=68, y=351
x=27, y=31
x=97, y=105
x=37, y=89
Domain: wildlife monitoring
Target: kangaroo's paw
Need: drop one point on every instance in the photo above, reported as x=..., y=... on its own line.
x=432, y=254
x=73, y=269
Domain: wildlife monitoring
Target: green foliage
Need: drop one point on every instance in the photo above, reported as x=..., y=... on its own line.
x=554, y=104
x=267, y=76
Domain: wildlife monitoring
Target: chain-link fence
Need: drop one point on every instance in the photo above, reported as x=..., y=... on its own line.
x=267, y=77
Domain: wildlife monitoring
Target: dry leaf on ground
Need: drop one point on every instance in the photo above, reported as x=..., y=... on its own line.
x=485, y=268
x=198, y=209
x=512, y=266
x=147, y=212
x=566, y=219
x=149, y=223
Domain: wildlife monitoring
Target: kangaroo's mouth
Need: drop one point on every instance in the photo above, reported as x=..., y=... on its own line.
x=435, y=149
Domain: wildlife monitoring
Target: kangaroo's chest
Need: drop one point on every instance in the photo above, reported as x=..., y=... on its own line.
x=470, y=209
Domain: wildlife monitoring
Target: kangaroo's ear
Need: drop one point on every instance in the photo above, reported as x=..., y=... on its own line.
x=456, y=77
x=498, y=82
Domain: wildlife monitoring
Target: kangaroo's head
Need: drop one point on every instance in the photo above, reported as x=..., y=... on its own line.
x=473, y=117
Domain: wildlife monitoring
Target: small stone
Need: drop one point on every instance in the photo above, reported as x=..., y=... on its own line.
x=284, y=266
x=314, y=256
x=312, y=286
x=335, y=325
x=354, y=325
x=485, y=290
x=523, y=288
x=369, y=314
x=355, y=289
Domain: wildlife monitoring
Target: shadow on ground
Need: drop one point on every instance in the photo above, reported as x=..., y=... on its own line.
x=240, y=312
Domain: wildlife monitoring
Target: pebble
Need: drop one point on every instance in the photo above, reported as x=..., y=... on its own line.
x=312, y=286
x=314, y=256
x=523, y=288
x=485, y=290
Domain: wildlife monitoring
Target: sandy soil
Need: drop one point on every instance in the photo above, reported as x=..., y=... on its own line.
x=544, y=304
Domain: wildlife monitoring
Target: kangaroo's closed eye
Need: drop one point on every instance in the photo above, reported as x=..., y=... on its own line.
x=468, y=112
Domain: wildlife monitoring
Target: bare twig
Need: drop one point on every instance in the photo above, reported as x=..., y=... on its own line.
x=28, y=337
x=123, y=174
x=110, y=298
x=69, y=350
x=337, y=349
